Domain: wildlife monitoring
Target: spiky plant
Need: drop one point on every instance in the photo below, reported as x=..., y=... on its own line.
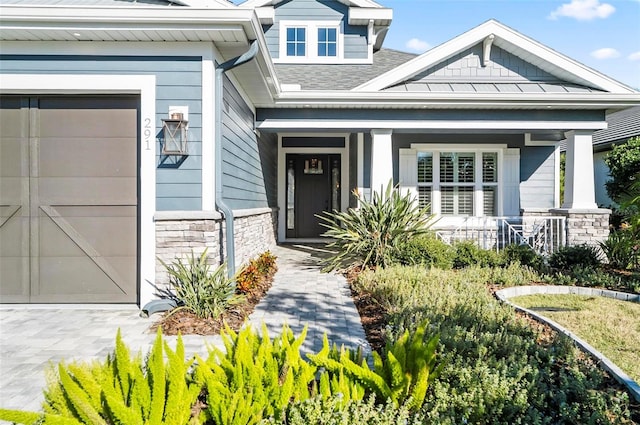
x=371, y=234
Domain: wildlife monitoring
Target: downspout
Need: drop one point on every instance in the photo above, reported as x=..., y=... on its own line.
x=222, y=206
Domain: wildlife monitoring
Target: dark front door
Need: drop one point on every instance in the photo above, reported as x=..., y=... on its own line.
x=313, y=187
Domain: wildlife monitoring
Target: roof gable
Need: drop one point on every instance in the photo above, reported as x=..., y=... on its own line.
x=494, y=53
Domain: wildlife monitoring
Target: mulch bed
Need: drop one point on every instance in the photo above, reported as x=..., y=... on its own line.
x=186, y=323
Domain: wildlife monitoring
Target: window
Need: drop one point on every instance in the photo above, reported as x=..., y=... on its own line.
x=327, y=42
x=458, y=183
x=296, y=41
x=311, y=42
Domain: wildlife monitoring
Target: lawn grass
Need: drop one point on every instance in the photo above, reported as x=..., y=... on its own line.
x=610, y=326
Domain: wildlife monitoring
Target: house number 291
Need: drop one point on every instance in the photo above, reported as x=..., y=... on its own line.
x=147, y=133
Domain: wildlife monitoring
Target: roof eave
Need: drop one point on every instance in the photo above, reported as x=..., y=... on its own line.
x=327, y=99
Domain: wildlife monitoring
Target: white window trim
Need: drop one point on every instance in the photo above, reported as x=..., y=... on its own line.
x=311, y=49
x=478, y=150
x=282, y=173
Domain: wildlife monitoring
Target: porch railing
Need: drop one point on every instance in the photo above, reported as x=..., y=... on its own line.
x=543, y=234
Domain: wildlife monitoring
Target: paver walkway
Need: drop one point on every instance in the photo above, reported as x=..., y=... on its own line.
x=32, y=337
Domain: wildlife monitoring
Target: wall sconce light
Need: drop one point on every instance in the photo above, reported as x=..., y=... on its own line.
x=174, y=130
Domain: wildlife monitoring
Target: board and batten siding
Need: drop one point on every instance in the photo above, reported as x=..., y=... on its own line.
x=537, y=177
x=249, y=162
x=468, y=63
x=355, y=37
x=178, y=83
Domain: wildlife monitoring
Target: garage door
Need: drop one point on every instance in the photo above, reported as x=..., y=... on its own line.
x=68, y=199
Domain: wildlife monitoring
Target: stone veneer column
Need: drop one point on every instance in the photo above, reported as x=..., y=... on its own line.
x=381, y=159
x=585, y=222
x=178, y=233
x=585, y=226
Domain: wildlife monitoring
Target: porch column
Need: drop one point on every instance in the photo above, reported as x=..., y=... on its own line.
x=579, y=186
x=381, y=159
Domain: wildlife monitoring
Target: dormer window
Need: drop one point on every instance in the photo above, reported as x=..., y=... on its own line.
x=327, y=42
x=296, y=41
x=310, y=42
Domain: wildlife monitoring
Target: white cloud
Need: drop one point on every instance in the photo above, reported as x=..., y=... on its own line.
x=417, y=45
x=583, y=10
x=634, y=56
x=605, y=53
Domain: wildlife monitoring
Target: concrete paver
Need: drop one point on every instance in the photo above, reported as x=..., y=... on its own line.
x=33, y=337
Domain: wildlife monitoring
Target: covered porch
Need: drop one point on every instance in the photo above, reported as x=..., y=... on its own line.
x=478, y=172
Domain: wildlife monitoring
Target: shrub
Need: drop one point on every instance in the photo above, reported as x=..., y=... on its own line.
x=195, y=288
x=256, y=272
x=622, y=249
x=254, y=377
x=624, y=168
x=402, y=375
x=370, y=235
x=468, y=253
x=568, y=257
x=122, y=390
x=330, y=411
x=426, y=250
x=495, y=370
x=523, y=254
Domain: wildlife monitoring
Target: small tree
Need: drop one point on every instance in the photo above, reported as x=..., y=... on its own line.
x=624, y=167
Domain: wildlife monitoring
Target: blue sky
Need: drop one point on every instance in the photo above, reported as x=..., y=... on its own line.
x=602, y=34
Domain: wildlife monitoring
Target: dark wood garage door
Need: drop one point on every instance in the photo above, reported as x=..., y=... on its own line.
x=68, y=199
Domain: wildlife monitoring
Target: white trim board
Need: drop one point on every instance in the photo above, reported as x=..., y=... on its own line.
x=282, y=177
x=353, y=125
x=145, y=86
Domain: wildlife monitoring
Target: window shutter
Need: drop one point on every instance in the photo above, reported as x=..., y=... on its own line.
x=408, y=171
x=511, y=182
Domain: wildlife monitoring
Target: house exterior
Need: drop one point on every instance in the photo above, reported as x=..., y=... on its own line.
x=134, y=131
x=621, y=126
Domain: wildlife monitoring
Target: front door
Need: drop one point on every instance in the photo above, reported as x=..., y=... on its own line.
x=313, y=187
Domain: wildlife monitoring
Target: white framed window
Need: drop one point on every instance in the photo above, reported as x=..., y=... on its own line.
x=296, y=41
x=455, y=180
x=327, y=41
x=311, y=42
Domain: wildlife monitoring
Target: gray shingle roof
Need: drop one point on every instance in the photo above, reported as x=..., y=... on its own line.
x=622, y=126
x=340, y=77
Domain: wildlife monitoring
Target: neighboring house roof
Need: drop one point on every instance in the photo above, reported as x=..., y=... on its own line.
x=622, y=126
x=340, y=77
x=494, y=35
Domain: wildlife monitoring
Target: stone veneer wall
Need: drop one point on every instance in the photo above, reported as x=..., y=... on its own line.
x=585, y=226
x=178, y=233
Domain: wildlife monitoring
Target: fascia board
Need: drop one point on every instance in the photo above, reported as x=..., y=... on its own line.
x=207, y=3
x=12, y=14
x=505, y=37
x=266, y=14
x=362, y=15
x=458, y=100
x=278, y=124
